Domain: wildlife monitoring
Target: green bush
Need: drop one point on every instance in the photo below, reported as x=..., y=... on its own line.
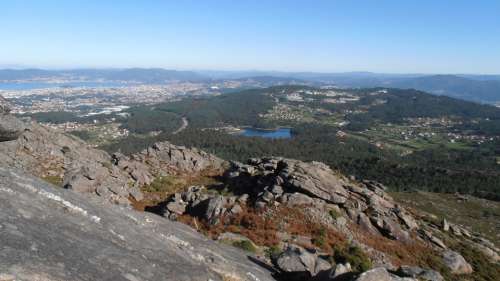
x=354, y=255
x=273, y=251
x=320, y=238
x=334, y=214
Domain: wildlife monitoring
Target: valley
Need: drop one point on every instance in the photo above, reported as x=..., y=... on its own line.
x=427, y=142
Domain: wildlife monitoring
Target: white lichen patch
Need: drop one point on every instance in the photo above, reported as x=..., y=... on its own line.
x=185, y=246
x=7, y=190
x=53, y=197
x=252, y=276
x=176, y=240
x=121, y=237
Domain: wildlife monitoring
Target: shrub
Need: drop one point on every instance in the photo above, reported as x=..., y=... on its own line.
x=354, y=255
x=320, y=238
x=273, y=251
x=334, y=214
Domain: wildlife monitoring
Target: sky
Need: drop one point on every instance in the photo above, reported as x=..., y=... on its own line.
x=385, y=36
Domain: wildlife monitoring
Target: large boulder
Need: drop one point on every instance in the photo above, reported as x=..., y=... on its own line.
x=297, y=263
x=376, y=274
x=49, y=233
x=315, y=179
x=5, y=106
x=456, y=263
x=213, y=208
x=10, y=127
x=420, y=273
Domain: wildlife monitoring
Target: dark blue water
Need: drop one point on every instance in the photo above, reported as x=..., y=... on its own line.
x=42, y=85
x=281, y=133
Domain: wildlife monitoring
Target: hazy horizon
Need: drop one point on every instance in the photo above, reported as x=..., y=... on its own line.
x=263, y=71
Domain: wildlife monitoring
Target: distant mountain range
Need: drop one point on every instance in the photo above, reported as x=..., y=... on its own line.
x=487, y=91
x=478, y=88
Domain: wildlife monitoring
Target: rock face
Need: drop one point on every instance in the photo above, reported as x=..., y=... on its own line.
x=55, y=234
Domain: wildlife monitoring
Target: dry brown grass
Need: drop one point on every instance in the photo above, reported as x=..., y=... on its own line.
x=415, y=252
x=262, y=227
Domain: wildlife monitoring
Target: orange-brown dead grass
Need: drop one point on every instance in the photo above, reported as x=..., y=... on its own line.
x=414, y=252
x=262, y=227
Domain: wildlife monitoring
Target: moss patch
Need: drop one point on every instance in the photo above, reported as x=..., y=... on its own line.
x=55, y=180
x=245, y=245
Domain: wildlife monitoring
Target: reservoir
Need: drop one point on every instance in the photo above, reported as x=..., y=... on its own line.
x=280, y=133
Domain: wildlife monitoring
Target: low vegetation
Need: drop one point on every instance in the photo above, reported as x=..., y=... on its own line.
x=484, y=270
x=353, y=255
x=165, y=184
x=479, y=215
x=55, y=180
x=245, y=245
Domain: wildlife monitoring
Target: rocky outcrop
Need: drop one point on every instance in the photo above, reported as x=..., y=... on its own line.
x=55, y=234
x=46, y=153
x=164, y=156
x=296, y=183
x=328, y=198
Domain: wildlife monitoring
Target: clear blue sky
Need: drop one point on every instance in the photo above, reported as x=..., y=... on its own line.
x=424, y=36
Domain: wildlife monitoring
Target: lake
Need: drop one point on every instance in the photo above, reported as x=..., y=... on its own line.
x=41, y=85
x=280, y=133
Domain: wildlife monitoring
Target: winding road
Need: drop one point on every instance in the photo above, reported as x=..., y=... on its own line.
x=184, y=125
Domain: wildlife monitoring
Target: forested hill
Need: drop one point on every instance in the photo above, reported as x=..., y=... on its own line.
x=406, y=139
